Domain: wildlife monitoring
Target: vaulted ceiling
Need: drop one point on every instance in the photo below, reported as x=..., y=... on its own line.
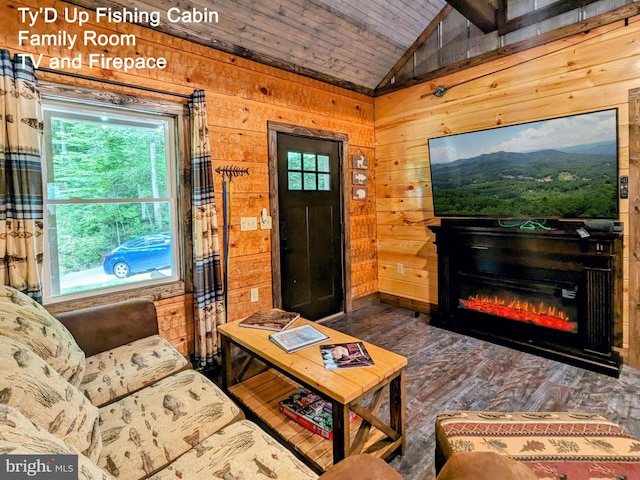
x=357, y=44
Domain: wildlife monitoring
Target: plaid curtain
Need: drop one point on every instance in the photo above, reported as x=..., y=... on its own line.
x=209, y=291
x=21, y=212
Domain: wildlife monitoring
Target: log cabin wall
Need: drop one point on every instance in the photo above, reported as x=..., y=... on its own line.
x=587, y=72
x=242, y=96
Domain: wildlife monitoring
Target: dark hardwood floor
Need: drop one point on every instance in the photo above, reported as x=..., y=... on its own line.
x=449, y=371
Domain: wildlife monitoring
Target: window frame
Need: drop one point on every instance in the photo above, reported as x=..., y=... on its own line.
x=316, y=172
x=182, y=283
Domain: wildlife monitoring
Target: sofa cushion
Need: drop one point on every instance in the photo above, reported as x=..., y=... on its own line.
x=26, y=320
x=241, y=450
x=148, y=429
x=115, y=373
x=19, y=436
x=48, y=400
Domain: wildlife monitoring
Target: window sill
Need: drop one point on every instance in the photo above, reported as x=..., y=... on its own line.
x=154, y=293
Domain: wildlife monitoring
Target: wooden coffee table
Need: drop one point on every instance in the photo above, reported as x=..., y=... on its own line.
x=361, y=390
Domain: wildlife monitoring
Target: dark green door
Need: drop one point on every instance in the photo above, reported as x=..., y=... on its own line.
x=309, y=201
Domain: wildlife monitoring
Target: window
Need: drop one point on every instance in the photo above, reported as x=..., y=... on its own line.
x=308, y=171
x=110, y=200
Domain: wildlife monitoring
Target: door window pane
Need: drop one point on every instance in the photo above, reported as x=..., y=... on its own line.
x=310, y=181
x=323, y=163
x=324, y=182
x=295, y=181
x=294, y=160
x=308, y=171
x=309, y=162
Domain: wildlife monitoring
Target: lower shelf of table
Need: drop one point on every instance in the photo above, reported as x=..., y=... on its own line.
x=262, y=393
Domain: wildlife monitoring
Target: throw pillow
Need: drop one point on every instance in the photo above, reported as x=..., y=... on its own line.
x=19, y=436
x=29, y=384
x=25, y=320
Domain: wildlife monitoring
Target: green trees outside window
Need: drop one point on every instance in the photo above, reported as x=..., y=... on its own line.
x=110, y=177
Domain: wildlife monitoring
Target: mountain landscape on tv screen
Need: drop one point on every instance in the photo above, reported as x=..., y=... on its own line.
x=575, y=182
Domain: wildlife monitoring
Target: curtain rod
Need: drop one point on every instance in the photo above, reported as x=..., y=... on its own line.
x=112, y=82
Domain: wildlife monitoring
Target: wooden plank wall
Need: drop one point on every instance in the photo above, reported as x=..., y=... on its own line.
x=242, y=96
x=587, y=72
x=634, y=226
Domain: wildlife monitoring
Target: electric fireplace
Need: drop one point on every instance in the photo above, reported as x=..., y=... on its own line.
x=551, y=292
x=549, y=305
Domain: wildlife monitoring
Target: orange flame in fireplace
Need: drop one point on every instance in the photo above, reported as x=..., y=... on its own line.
x=522, y=311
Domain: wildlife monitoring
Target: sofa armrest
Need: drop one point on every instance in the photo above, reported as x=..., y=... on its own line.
x=362, y=467
x=101, y=328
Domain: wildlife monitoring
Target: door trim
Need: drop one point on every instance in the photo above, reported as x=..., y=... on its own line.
x=274, y=128
x=631, y=232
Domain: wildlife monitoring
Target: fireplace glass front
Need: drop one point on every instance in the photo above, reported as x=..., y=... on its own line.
x=546, y=304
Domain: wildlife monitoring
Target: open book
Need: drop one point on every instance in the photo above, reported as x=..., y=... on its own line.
x=274, y=319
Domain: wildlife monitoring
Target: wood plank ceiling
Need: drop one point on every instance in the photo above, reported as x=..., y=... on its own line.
x=351, y=43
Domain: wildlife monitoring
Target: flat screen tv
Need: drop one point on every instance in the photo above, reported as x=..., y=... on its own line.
x=563, y=168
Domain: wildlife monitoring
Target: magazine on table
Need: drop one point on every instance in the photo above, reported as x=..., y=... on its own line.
x=273, y=319
x=295, y=338
x=311, y=411
x=345, y=355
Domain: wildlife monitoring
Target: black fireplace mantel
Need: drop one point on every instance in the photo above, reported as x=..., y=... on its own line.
x=581, y=275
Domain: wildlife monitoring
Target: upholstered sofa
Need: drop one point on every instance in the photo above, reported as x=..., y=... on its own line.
x=101, y=383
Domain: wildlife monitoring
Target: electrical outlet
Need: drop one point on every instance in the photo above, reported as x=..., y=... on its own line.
x=254, y=295
x=400, y=268
x=248, y=223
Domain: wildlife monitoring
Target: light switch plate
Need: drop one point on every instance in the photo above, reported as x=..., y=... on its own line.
x=267, y=224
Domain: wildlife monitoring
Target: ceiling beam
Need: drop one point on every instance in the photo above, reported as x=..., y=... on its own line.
x=478, y=12
x=622, y=13
x=552, y=10
x=433, y=25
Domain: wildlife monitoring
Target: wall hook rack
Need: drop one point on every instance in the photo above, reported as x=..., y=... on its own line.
x=231, y=171
x=228, y=173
